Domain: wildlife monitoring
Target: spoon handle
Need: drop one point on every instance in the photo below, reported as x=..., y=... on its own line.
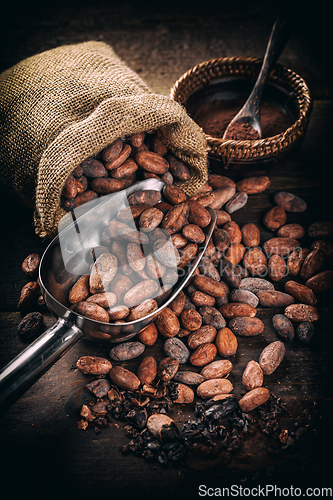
x=277, y=41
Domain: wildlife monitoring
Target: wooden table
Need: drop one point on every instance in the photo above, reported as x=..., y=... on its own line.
x=42, y=449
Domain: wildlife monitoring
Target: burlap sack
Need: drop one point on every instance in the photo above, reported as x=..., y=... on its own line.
x=64, y=105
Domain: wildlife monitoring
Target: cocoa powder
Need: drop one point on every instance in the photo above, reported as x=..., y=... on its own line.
x=215, y=116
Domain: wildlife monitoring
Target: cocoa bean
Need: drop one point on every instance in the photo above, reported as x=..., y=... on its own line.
x=178, y=168
x=126, y=351
x=296, y=259
x=255, y=261
x=124, y=379
x=191, y=319
x=250, y=235
x=150, y=219
x=283, y=327
x=295, y=231
x=211, y=316
x=235, y=253
x=30, y=265
x=231, y=274
x=255, y=284
x=203, y=335
x=92, y=311
x=80, y=290
x=118, y=312
x=104, y=186
x=237, y=202
x=246, y=327
x=187, y=254
x=321, y=282
x=226, y=342
x=128, y=168
x=289, y=202
x=203, y=355
x=147, y=196
x=102, y=272
x=28, y=296
x=301, y=293
x=204, y=199
x=322, y=229
x=301, y=312
x=154, y=268
x=178, y=240
x=120, y=159
x=274, y=298
x=167, y=368
x=213, y=387
x=188, y=377
x=275, y=218
x=253, y=376
x=152, y=162
x=221, y=240
x=30, y=325
x=312, y=264
x=140, y=292
x=222, y=217
x=217, y=181
x=111, y=152
x=304, y=331
x=271, y=357
x=99, y=387
x=157, y=145
x=216, y=369
x=253, y=399
x=210, y=286
x=162, y=427
x=280, y=246
x=174, y=194
x=325, y=246
x=167, y=323
x=147, y=370
x=105, y=299
x=222, y=196
x=200, y=299
x=244, y=296
x=137, y=139
x=277, y=268
x=253, y=185
x=142, y=310
x=167, y=254
x=198, y=214
x=207, y=267
x=234, y=310
x=182, y=394
x=93, y=365
x=148, y=335
x=175, y=348
x=193, y=233
x=93, y=168
x=176, y=218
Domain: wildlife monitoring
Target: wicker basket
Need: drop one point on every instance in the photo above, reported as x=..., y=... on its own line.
x=249, y=151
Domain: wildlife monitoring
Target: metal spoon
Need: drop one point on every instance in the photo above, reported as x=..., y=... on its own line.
x=249, y=116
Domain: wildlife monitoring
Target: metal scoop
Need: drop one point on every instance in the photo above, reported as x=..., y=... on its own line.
x=248, y=118
x=67, y=257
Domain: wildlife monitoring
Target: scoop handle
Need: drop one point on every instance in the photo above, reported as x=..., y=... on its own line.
x=39, y=356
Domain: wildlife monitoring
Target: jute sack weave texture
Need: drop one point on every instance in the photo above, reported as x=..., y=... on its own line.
x=64, y=105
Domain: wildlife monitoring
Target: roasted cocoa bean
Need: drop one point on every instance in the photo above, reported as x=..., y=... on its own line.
x=118, y=312
x=283, y=327
x=176, y=218
x=213, y=387
x=198, y=214
x=80, y=290
x=235, y=253
x=325, y=246
x=221, y=241
x=275, y=218
x=211, y=316
x=312, y=264
x=203, y=335
x=105, y=299
x=162, y=427
x=222, y=196
x=187, y=254
x=231, y=274
x=142, y=310
x=175, y=348
x=277, y=268
x=30, y=325
x=191, y=319
x=301, y=312
x=301, y=292
x=255, y=284
x=210, y=286
x=222, y=217
x=152, y=162
x=93, y=365
x=217, y=181
x=126, y=351
x=188, y=377
x=102, y=272
x=244, y=296
x=274, y=298
x=237, y=309
x=246, y=327
x=148, y=335
x=28, y=296
x=147, y=370
x=167, y=368
x=226, y=342
x=203, y=355
x=255, y=261
x=253, y=399
x=150, y=219
x=250, y=235
x=174, y=194
x=253, y=185
x=182, y=394
x=253, y=376
x=178, y=168
x=217, y=369
x=92, y=311
x=30, y=265
x=103, y=186
x=146, y=196
x=289, y=202
x=140, y=292
x=237, y=202
x=321, y=282
x=271, y=357
x=178, y=240
x=280, y=246
x=304, y=331
x=207, y=267
x=124, y=379
x=322, y=229
x=200, y=299
x=295, y=231
x=167, y=323
x=296, y=259
x=193, y=233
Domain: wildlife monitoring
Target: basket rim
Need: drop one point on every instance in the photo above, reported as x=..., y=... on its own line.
x=247, y=150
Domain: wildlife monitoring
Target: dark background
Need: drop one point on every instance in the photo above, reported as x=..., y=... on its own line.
x=43, y=453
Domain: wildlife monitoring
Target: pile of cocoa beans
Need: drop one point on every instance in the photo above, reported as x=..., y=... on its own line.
x=236, y=275
x=127, y=160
